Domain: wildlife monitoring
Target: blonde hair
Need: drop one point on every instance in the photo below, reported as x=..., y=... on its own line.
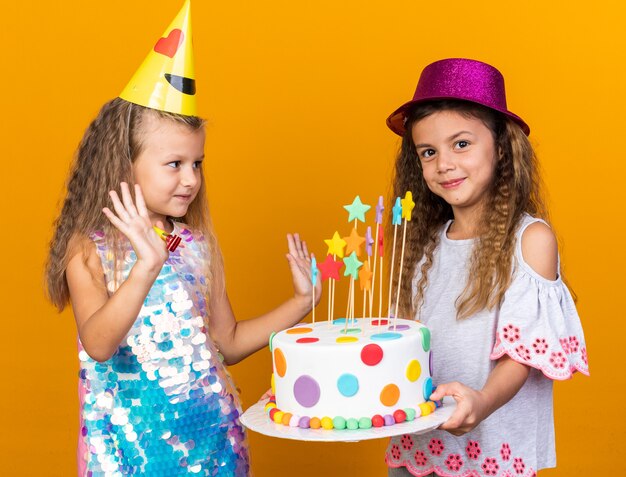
x=516, y=189
x=103, y=159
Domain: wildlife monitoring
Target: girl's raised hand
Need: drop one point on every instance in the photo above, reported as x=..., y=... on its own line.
x=133, y=221
x=300, y=265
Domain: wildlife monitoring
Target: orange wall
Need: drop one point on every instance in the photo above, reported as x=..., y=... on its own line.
x=296, y=94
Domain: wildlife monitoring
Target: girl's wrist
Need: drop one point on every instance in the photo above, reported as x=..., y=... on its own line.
x=487, y=404
x=303, y=303
x=146, y=271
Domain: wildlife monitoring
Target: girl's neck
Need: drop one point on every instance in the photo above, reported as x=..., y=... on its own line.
x=466, y=225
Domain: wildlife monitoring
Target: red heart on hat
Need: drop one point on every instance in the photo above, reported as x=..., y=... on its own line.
x=168, y=46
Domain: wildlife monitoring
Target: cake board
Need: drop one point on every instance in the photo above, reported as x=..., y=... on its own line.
x=257, y=420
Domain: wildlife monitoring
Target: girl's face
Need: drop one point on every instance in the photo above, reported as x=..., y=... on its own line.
x=169, y=167
x=458, y=158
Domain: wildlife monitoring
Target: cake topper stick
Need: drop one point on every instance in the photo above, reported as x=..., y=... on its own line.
x=365, y=282
x=407, y=208
x=364, y=302
x=379, y=220
x=350, y=305
x=352, y=269
x=332, y=305
x=313, y=283
x=353, y=244
x=369, y=241
x=395, y=221
x=381, y=251
x=356, y=211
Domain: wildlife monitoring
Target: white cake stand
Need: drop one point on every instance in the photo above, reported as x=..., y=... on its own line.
x=256, y=420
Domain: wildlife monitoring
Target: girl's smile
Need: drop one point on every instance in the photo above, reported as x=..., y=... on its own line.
x=451, y=184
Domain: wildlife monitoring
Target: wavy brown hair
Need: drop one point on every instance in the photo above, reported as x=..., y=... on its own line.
x=515, y=189
x=104, y=158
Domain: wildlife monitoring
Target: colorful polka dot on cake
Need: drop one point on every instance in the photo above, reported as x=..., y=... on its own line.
x=380, y=322
x=299, y=331
x=428, y=388
x=386, y=336
x=371, y=354
x=347, y=339
x=425, y=332
x=430, y=363
x=307, y=340
x=413, y=370
x=389, y=395
x=348, y=385
x=280, y=362
x=306, y=390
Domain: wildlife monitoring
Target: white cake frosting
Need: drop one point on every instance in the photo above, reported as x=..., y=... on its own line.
x=372, y=368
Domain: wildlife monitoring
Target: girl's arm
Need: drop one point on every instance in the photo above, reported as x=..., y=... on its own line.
x=239, y=339
x=104, y=321
x=540, y=251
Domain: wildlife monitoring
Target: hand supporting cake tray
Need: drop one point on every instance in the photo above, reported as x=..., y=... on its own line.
x=255, y=419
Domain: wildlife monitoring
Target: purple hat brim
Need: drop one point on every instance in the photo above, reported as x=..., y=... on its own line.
x=395, y=121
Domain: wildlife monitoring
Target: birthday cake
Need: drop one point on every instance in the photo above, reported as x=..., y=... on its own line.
x=356, y=375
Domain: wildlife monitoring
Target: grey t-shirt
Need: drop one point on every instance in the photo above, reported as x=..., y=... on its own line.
x=537, y=324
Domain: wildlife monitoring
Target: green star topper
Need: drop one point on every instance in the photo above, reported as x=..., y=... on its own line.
x=357, y=209
x=352, y=265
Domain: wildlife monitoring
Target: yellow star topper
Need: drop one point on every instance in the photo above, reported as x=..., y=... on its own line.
x=407, y=205
x=335, y=245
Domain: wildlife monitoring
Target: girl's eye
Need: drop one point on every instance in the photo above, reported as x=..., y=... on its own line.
x=461, y=144
x=197, y=164
x=426, y=153
x=174, y=164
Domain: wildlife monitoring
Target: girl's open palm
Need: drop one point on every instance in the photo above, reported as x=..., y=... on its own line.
x=133, y=220
x=300, y=265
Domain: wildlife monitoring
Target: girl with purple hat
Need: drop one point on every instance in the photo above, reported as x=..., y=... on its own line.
x=484, y=276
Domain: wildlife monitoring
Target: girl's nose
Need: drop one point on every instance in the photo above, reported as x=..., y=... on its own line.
x=444, y=162
x=189, y=177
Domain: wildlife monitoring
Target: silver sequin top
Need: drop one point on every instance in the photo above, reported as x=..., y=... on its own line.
x=164, y=403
